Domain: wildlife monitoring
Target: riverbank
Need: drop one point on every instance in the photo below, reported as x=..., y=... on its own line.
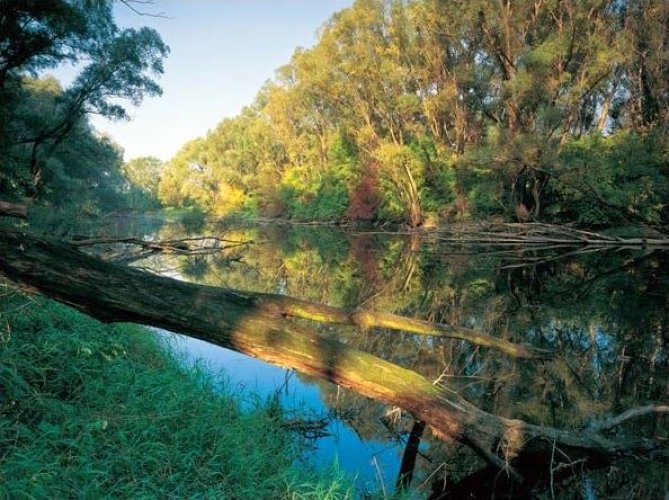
x=97, y=410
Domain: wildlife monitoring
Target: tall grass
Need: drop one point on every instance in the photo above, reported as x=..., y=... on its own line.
x=94, y=410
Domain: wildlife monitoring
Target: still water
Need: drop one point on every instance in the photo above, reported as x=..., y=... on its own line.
x=605, y=313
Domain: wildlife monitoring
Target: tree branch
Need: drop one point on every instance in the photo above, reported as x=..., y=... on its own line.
x=627, y=415
x=129, y=4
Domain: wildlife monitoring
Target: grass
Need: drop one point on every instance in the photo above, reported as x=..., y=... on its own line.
x=94, y=410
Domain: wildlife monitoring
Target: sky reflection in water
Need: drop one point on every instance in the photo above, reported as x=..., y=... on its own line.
x=369, y=461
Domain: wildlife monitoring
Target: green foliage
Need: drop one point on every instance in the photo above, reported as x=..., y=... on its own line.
x=437, y=193
x=192, y=219
x=251, y=207
x=83, y=171
x=620, y=178
x=307, y=197
x=143, y=175
x=55, y=31
x=121, y=67
x=344, y=132
x=402, y=173
x=331, y=200
x=482, y=189
x=97, y=410
x=385, y=118
x=52, y=153
x=479, y=123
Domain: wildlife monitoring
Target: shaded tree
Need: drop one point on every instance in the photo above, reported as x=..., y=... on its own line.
x=117, y=65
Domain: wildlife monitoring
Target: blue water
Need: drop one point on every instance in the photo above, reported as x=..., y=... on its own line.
x=373, y=464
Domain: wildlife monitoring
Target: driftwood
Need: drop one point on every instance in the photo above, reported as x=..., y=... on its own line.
x=249, y=324
x=130, y=249
x=536, y=233
x=203, y=245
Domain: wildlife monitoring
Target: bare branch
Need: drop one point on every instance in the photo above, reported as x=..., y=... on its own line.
x=139, y=12
x=13, y=210
x=205, y=245
x=627, y=415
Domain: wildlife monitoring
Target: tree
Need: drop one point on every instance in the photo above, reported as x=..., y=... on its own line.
x=119, y=65
x=83, y=172
x=456, y=110
x=38, y=35
x=646, y=72
x=143, y=175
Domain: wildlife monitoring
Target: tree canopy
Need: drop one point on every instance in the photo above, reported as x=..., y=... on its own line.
x=422, y=110
x=49, y=149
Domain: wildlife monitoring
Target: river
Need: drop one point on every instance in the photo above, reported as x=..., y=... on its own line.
x=605, y=312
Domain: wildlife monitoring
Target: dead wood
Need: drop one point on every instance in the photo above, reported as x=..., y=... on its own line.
x=535, y=233
x=130, y=249
x=17, y=210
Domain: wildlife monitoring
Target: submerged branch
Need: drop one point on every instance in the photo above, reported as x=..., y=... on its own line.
x=133, y=249
x=536, y=233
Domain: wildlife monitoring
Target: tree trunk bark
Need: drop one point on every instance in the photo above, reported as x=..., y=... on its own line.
x=13, y=210
x=256, y=325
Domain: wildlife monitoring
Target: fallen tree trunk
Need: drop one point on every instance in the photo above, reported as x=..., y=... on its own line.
x=296, y=308
x=13, y=210
x=289, y=306
x=242, y=322
x=535, y=233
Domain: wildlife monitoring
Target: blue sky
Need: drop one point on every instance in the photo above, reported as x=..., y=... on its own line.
x=222, y=51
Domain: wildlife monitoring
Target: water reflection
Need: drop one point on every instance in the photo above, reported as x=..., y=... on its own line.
x=374, y=462
x=604, y=313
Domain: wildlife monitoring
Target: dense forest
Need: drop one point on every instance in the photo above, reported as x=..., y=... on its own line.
x=420, y=111
x=410, y=111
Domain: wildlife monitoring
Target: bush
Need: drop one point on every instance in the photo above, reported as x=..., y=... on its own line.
x=605, y=180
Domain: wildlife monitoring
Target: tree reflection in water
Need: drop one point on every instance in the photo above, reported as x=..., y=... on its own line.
x=605, y=313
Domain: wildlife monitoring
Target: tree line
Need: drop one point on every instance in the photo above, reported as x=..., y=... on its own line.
x=418, y=111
